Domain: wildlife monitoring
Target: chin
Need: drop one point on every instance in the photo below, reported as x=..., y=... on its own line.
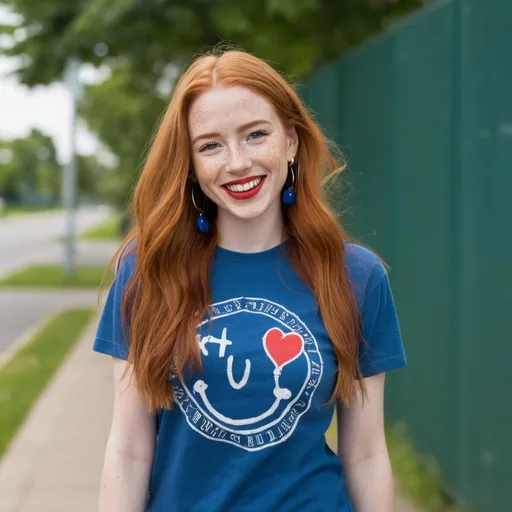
x=247, y=214
x=250, y=212
x=262, y=208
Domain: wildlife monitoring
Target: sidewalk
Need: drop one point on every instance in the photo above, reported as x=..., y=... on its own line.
x=54, y=463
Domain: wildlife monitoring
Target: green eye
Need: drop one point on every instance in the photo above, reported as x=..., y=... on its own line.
x=257, y=134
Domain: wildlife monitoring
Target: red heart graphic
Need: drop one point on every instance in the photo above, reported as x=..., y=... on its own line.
x=282, y=348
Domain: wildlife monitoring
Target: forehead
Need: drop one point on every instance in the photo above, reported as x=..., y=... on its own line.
x=228, y=107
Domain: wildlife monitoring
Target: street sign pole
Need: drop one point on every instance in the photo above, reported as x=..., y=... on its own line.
x=70, y=171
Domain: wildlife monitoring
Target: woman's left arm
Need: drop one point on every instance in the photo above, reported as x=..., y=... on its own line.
x=363, y=451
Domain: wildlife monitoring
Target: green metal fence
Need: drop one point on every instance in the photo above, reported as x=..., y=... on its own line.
x=424, y=115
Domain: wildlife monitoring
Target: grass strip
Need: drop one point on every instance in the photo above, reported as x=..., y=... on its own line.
x=54, y=276
x=25, y=375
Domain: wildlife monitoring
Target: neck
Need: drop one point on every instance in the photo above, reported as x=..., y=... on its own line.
x=253, y=235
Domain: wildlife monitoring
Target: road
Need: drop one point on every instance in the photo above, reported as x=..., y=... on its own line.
x=27, y=239
x=32, y=238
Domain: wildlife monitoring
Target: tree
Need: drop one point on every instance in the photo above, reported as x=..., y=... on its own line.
x=31, y=173
x=299, y=35
x=142, y=41
x=90, y=177
x=122, y=113
x=29, y=169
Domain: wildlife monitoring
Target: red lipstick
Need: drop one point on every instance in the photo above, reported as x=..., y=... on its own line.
x=245, y=194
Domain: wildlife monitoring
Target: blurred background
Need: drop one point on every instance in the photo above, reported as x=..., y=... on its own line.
x=416, y=94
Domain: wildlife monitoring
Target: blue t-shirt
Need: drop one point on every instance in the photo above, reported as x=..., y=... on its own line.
x=248, y=434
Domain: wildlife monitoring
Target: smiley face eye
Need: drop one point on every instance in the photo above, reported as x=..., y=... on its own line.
x=200, y=386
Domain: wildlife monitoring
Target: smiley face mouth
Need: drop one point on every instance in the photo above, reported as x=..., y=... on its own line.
x=200, y=387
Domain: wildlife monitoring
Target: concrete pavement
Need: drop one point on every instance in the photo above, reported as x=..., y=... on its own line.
x=54, y=464
x=74, y=413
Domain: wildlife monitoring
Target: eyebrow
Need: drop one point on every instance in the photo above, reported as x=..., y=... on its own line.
x=241, y=128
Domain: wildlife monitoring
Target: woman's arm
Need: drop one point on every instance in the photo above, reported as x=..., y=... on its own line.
x=130, y=448
x=363, y=450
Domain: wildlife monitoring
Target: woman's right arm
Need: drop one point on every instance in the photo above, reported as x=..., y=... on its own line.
x=130, y=448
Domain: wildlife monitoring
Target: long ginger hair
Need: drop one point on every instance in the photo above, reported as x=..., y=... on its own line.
x=169, y=291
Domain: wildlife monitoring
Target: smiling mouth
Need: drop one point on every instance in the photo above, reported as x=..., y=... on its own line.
x=244, y=189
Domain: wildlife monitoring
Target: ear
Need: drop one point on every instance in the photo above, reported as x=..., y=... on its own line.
x=293, y=143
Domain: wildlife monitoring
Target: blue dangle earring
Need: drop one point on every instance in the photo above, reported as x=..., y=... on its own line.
x=201, y=222
x=289, y=192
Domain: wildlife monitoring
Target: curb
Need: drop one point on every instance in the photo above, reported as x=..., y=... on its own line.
x=25, y=338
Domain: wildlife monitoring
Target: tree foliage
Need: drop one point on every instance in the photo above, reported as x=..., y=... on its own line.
x=140, y=40
x=31, y=173
x=29, y=170
x=298, y=35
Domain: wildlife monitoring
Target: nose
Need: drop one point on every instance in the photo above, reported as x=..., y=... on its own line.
x=238, y=161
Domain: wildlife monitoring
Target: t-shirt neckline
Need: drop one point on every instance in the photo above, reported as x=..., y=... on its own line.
x=271, y=254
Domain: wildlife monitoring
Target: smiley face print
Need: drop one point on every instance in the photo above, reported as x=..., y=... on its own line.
x=262, y=366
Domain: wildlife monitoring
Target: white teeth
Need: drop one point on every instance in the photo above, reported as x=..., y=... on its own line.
x=245, y=187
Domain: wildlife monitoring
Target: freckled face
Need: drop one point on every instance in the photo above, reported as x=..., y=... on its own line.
x=240, y=151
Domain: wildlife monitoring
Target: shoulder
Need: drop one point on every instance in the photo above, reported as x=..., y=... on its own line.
x=110, y=333
x=381, y=349
x=125, y=264
x=364, y=269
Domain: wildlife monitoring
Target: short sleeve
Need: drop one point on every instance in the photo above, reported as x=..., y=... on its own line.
x=110, y=337
x=382, y=348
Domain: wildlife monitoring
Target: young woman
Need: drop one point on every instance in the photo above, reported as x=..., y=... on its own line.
x=241, y=315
